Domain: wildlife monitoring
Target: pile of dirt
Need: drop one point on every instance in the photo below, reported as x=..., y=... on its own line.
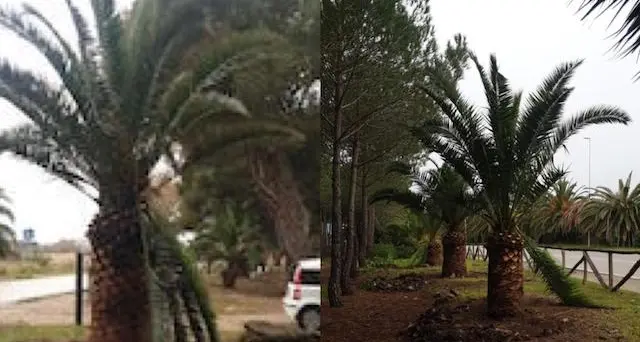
x=261, y=331
x=403, y=283
x=439, y=324
x=448, y=320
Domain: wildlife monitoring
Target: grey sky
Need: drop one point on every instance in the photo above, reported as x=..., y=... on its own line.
x=530, y=37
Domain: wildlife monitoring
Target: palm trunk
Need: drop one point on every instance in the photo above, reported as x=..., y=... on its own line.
x=345, y=281
x=119, y=290
x=279, y=193
x=434, y=252
x=506, y=275
x=230, y=275
x=455, y=254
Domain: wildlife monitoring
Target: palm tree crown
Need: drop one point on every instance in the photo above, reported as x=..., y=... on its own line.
x=506, y=151
x=120, y=105
x=614, y=214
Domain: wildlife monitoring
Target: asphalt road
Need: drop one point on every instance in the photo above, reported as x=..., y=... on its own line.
x=12, y=291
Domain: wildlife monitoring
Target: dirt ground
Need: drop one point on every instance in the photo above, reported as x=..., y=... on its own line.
x=258, y=299
x=385, y=316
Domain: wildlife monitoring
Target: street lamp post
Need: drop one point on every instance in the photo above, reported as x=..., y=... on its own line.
x=588, y=139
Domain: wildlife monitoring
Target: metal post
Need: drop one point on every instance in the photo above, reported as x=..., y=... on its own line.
x=79, y=288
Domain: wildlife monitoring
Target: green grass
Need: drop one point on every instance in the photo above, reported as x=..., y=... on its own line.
x=25, y=333
x=625, y=303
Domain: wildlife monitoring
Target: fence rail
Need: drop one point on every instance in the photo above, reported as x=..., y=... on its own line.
x=585, y=263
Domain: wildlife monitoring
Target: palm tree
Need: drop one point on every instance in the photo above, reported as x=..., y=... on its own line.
x=426, y=227
x=557, y=211
x=615, y=215
x=453, y=201
x=444, y=194
x=278, y=88
x=505, y=153
x=231, y=237
x=425, y=232
x=7, y=235
x=118, y=108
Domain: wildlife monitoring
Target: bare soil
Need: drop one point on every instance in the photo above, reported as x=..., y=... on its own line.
x=436, y=313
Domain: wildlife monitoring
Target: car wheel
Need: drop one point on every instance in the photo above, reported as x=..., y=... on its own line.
x=309, y=319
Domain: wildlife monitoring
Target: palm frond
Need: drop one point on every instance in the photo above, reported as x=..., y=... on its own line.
x=543, y=110
x=29, y=143
x=591, y=116
x=629, y=31
x=558, y=282
x=407, y=199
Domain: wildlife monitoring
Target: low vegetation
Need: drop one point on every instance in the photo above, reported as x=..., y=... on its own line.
x=46, y=264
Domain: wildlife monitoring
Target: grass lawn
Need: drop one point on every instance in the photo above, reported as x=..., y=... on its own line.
x=67, y=334
x=381, y=316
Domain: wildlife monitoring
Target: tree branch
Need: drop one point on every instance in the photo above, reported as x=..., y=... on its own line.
x=362, y=121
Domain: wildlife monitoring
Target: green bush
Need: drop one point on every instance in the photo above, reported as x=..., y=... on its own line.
x=384, y=251
x=404, y=251
x=378, y=262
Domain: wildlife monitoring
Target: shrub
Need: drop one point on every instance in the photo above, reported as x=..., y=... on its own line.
x=384, y=251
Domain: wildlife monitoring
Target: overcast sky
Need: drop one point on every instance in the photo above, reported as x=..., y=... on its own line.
x=530, y=37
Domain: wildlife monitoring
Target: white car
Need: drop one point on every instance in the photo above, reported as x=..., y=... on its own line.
x=302, y=298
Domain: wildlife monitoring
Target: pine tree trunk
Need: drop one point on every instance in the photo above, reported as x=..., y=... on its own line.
x=506, y=274
x=434, y=252
x=336, y=194
x=364, y=227
x=119, y=289
x=455, y=254
x=279, y=193
x=371, y=228
x=351, y=236
x=355, y=265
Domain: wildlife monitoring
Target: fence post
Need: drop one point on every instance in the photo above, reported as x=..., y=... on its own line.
x=564, y=261
x=79, y=288
x=610, y=270
x=584, y=268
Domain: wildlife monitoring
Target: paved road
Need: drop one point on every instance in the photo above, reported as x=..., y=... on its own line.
x=12, y=291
